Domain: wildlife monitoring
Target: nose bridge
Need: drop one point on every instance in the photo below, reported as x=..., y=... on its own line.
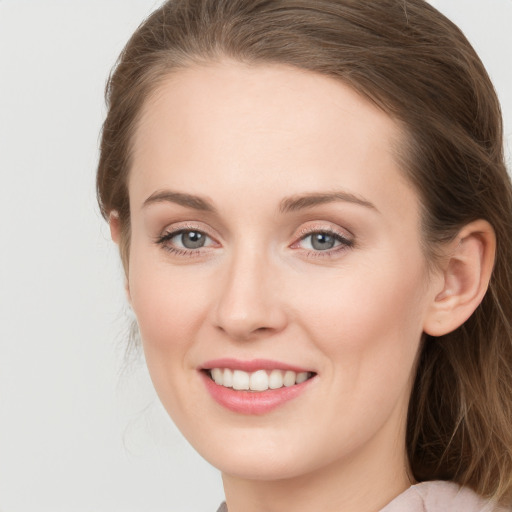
x=249, y=299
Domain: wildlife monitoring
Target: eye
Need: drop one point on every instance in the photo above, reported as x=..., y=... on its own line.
x=184, y=241
x=320, y=241
x=190, y=239
x=323, y=241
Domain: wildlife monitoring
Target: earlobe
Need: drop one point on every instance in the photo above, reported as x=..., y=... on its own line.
x=465, y=278
x=115, y=226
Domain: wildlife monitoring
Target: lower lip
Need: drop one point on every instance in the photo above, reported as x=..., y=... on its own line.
x=252, y=402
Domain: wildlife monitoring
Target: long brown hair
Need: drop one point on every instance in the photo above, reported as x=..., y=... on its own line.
x=418, y=67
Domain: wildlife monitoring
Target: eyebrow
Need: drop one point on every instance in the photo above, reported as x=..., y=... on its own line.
x=187, y=200
x=289, y=204
x=301, y=202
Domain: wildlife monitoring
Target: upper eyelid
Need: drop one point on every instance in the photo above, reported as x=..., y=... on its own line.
x=344, y=240
x=344, y=236
x=171, y=231
x=185, y=226
x=167, y=234
x=302, y=232
x=341, y=232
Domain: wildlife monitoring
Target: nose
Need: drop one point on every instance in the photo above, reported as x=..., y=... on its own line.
x=250, y=300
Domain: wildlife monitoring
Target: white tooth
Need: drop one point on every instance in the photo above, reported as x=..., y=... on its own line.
x=301, y=377
x=275, y=380
x=240, y=379
x=217, y=375
x=259, y=381
x=227, y=378
x=289, y=378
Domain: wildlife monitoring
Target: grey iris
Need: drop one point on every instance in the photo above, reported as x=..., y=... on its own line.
x=192, y=239
x=322, y=241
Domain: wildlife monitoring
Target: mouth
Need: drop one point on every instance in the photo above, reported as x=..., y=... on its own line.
x=259, y=380
x=254, y=387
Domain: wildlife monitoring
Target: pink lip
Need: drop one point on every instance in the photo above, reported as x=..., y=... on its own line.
x=251, y=402
x=250, y=366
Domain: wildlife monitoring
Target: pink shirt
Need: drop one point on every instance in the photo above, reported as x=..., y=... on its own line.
x=440, y=497
x=435, y=497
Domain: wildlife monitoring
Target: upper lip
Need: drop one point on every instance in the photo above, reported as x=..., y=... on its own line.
x=251, y=366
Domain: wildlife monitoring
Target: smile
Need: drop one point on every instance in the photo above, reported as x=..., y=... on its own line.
x=254, y=387
x=259, y=380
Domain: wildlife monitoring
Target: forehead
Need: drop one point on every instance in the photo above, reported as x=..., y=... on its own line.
x=260, y=127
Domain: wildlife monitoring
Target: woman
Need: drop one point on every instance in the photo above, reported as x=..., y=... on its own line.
x=314, y=215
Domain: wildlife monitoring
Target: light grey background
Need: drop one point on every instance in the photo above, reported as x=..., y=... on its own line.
x=81, y=430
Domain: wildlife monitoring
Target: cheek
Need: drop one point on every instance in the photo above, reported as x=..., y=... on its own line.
x=169, y=308
x=369, y=327
x=369, y=320
x=167, y=302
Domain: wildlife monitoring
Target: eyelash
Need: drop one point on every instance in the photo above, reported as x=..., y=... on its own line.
x=344, y=242
x=166, y=237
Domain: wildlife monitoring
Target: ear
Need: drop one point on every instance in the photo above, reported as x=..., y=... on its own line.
x=115, y=232
x=465, y=278
x=115, y=226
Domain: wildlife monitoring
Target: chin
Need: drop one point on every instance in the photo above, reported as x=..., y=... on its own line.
x=259, y=467
x=269, y=459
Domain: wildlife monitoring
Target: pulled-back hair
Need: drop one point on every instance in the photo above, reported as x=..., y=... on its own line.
x=417, y=66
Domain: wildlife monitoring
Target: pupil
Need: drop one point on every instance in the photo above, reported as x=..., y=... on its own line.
x=322, y=241
x=192, y=239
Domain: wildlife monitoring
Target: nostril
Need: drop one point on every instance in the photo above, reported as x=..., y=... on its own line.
x=241, y=331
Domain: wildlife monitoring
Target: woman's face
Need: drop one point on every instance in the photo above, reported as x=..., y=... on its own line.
x=275, y=240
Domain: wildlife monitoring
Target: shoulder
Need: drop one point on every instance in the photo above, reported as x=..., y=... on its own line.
x=440, y=496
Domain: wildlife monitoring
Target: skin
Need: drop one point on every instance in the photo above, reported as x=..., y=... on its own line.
x=245, y=139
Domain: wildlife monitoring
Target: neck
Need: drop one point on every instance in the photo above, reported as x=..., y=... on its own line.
x=362, y=482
